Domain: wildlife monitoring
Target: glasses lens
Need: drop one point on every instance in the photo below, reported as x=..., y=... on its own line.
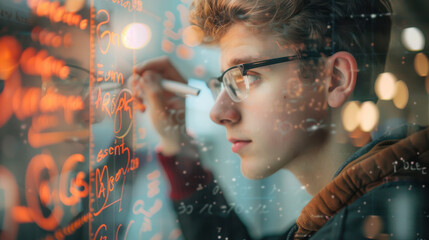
x=236, y=85
x=215, y=87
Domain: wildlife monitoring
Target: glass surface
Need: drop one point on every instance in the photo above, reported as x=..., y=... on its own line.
x=80, y=145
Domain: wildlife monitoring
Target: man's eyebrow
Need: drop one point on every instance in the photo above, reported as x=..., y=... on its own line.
x=240, y=60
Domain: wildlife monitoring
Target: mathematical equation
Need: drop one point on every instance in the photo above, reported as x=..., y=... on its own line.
x=413, y=166
x=214, y=209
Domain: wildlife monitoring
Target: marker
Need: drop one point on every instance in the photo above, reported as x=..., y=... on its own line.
x=179, y=88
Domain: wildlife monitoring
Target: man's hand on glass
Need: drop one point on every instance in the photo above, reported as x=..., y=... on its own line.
x=166, y=109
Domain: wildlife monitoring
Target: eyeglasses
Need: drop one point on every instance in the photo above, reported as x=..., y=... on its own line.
x=236, y=81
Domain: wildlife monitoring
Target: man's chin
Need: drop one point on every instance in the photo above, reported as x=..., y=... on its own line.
x=251, y=170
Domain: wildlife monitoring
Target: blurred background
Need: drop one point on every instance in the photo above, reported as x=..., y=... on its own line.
x=78, y=161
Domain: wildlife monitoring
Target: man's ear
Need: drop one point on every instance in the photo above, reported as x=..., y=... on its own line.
x=342, y=80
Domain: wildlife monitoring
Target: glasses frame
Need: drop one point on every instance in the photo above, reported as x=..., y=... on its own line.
x=245, y=67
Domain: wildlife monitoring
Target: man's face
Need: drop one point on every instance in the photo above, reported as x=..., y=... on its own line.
x=268, y=129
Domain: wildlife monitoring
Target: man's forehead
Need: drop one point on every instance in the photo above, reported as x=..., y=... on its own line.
x=241, y=44
x=246, y=53
x=238, y=43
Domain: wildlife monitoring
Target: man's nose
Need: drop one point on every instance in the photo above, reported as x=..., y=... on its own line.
x=225, y=111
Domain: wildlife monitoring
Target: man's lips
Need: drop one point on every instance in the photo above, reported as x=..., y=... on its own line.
x=238, y=144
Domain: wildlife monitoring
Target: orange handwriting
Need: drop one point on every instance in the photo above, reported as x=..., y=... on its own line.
x=33, y=183
x=126, y=231
x=116, y=108
x=109, y=76
x=75, y=184
x=104, y=228
x=136, y=5
x=104, y=183
x=105, y=102
x=98, y=231
x=117, y=150
x=123, y=105
x=112, y=37
x=40, y=193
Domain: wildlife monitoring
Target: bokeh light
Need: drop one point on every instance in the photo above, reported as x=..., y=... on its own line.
x=167, y=46
x=365, y=115
x=359, y=138
x=413, y=39
x=372, y=226
x=83, y=24
x=401, y=95
x=74, y=5
x=184, y=52
x=136, y=35
x=369, y=116
x=10, y=51
x=192, y=36
x=350, y=116
x=421, y=64
x=199, y=70
x=11, y=85
x=385, y=86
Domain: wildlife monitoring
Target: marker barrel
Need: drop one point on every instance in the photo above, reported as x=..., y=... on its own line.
x=180, y=88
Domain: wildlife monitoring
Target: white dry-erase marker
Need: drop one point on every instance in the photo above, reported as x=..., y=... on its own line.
x=179, y=88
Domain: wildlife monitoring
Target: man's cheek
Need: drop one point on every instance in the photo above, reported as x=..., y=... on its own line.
x=283, y=127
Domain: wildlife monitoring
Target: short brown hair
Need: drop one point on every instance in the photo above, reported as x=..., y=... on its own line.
x=361, y=27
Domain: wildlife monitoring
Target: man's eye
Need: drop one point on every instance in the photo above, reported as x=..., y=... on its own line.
x=253, y=78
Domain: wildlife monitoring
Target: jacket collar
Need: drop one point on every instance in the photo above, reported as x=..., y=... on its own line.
x=362, y=172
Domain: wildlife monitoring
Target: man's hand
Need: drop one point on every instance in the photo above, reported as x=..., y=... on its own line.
x=166, y=110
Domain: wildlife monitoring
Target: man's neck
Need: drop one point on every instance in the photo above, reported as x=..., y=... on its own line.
x=316, y=167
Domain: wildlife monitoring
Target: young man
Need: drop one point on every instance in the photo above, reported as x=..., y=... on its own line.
x=288, y=66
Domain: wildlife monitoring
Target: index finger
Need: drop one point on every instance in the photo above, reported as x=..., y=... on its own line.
x=161, y=65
